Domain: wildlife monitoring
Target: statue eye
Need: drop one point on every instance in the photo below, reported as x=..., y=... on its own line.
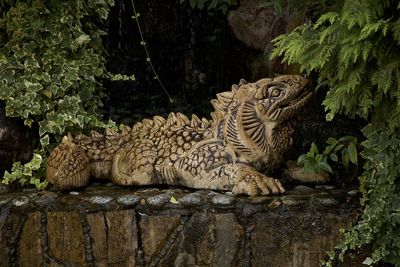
x=275, y=93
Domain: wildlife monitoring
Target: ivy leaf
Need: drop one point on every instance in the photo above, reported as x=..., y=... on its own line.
x=83, y=39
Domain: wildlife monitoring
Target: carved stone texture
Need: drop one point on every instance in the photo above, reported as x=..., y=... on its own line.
x=155, y=231
x=15, y=141
x=295, y=241
x=249, y=133
x=114, y=238
x=30, y=244
x=207, y=240
x=65, y=237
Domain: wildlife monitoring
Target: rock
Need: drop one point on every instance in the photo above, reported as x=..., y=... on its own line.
x=100, y=200
x=30, y=246
x=128, y=200
x=353, y=192
x=158, y=200
x=192, y=199
x=302, y=189
x=274, y=204
x=65, y=237
x=222, y=199
x=326, y=201
x=325, y=187
x=254, y=25
x=295, y=171
x=207, y=240
x=20, y=201
x=46, y=198
x=5, y=200
x=155, y=233
x=297, y=240
x=114, y=238
x=74, y=193
x=293, y=201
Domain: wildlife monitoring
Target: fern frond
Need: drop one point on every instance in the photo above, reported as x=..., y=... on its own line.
x=372, y=28
x=330, y=17
x=355, y=13
x=395, y=29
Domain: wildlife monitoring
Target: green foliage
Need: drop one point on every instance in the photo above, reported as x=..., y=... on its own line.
x=218, y=5
x=52, y=57
x=356, y=53
x=293, y=6
x=313, y=161
x=30, y=172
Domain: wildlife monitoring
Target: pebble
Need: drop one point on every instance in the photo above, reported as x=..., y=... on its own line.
x=222, y=199
x=274, y=204
x=303, y=189
x=74, y=193
x=328, y=201
x=191, y=199
x=325, y=187
x=5, y=200
x=291, y=201
x=100, y=200
x=158, y=200
x=353, y=192
x=128, y=200
x=20, y=201
x=46, y=198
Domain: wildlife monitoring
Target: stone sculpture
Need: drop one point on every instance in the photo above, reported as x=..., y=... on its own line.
x=249, y=132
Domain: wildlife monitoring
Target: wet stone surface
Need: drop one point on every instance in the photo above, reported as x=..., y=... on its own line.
x=128, y=200
x=108, y=225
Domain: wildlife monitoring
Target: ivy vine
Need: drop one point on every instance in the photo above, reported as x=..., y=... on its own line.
x=52, y=58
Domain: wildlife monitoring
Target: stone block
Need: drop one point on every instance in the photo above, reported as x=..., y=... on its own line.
x=207, y=240
x=294, y=240
x=155, y=231
x=114, y=238
x=65, y=237
x=30, y=244
x=4, y=248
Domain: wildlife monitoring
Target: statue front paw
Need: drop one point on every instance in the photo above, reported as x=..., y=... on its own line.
x=255, y=183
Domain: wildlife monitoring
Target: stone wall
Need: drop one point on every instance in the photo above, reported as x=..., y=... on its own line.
x=105, y=225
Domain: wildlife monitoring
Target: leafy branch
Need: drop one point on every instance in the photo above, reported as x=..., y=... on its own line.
x=313, y=161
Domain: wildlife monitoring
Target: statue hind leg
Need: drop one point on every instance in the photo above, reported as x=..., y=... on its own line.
x=68, y=166
x=133, y=164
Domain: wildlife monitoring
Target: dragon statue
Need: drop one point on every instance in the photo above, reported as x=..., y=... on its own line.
x=249, y=132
